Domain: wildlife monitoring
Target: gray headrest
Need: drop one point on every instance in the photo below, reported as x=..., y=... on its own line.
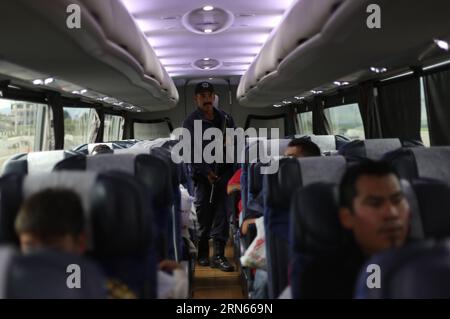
x=433, y=162
x=108, y=162
x=325, y=142
x=376, y=148
x=39, y=162
x=147, y=145
x=322, y=169
x=264, y=148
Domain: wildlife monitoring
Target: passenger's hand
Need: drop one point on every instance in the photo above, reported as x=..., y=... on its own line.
x=245, y=224
x=212, y=178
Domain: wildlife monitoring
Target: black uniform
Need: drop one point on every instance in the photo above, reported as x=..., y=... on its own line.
x=212, y=217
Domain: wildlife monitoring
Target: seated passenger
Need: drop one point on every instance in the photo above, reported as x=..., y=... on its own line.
x=102, y=149
x=375, y=211
x=54, y=219
x=298, y=148
x=373, y=207
x=234, y=184
x=301, y=147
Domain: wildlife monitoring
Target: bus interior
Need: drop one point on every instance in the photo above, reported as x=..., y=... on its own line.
x=364, y=80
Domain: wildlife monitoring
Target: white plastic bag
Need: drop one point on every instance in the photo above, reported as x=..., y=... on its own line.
x=186, y=207
x=255, y=255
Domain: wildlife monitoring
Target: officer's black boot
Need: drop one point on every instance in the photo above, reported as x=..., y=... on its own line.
x=203, y=252
x=219, y=260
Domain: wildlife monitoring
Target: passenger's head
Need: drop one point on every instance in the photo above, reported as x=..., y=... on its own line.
x=101, y=149
x=373, y=206
x=300, y=147
x=52, y=219
x=204, y=96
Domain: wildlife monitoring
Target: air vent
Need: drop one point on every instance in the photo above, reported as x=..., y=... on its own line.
x=245, y=15
x=170, y=18
x=208, y=22
x=232, y=63
x=210, y=64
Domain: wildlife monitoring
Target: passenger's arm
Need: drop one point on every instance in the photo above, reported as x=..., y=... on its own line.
x=233, y=188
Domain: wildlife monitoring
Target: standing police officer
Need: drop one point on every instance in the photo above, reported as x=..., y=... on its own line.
x=210, y=181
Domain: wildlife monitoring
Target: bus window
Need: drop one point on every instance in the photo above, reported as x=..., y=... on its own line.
x=113, y=128
x=272, y=121
x=346, y=120
x=305, y=123
x=24, y=127
x=148, y=130
x=424, y=132
x=80, y=126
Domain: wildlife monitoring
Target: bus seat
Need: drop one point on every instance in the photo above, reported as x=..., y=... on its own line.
x=257, y=153
x=43, y=275
x=118, y=220
x=7, y=254
x=372, y=149
x=145, y=146
x=433, y=200
x=421, y=162
x=150, y=170
x=161, y=149
x=326, y=143
x=315, y=233
x=35, y=162
x=86, y=149
x=278, y=190
x=419, y=270
x=176, y=171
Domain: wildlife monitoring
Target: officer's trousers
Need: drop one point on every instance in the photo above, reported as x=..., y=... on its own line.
x=212, y=217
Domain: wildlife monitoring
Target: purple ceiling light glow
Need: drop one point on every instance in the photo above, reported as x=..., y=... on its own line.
x=235, y=46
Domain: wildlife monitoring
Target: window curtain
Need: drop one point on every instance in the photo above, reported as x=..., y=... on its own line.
x=399, y=109
x=320, y=122
x=437, y=97
x=368, y=106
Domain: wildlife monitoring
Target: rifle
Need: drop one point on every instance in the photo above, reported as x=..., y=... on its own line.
x=216, y=169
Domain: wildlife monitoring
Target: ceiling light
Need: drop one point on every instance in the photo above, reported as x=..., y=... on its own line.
x=277, y=105
x=286, y=102
x=299, y=97
x=83, y=91
x=75, y=92
x=378, y=70
x=208, y=8
x=442, y=44
x=206, y=59
x=210, y=79
x=208, y=30
x=338, y=83
x=207, y=68
x=49, y=81
x=38, y=82
x=316, y=92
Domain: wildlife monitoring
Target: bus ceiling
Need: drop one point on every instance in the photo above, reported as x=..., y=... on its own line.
x=131, y=55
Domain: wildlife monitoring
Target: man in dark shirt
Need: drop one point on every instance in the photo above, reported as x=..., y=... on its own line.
x=375, y=211
x=210, y=180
